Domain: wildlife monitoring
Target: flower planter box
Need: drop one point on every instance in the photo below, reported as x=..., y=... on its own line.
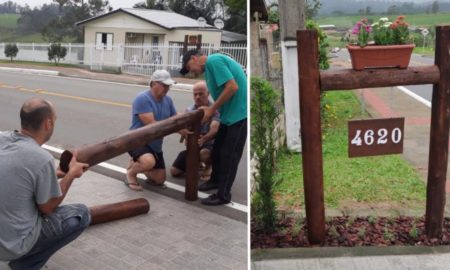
x=379, y=56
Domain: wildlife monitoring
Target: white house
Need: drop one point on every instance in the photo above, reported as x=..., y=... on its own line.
x=144, y=37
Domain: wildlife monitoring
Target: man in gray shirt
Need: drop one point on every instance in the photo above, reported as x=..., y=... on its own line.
x=33, y=225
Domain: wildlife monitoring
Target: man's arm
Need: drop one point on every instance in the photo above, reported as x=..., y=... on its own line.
x=76, y=169
x=147, y=118
x=229, y=90
x=213, y=128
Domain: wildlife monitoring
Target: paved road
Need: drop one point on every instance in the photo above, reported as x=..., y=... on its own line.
x=92, y=111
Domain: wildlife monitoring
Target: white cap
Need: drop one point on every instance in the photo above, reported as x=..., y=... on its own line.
x=162, y=76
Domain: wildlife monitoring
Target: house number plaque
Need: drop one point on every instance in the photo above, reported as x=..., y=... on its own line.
x=373, y=137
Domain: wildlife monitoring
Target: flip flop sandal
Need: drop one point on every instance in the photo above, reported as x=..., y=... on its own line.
x=133, y=186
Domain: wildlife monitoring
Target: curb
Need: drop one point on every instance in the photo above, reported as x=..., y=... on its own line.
x=332, y=252
x=31, y=71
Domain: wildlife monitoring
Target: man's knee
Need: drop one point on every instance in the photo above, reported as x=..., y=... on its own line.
x=147, y=161
x=175, y=172
x=84, y=215
x=205, y=155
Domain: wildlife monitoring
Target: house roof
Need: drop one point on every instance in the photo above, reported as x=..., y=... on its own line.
x=230, y=37
x=162, y=18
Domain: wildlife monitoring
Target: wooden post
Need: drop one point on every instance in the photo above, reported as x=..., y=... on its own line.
x=114, y=211
x=439, y=134
x=311, y=133
x=343, y=79
x=96, y=153
x=192, y=164
x=199, y=42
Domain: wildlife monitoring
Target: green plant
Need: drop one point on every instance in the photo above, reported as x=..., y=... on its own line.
x=11, y=50
x=362, y=30
x=371, y=220
x=265, y=110
x=361, y=232
x=414, y=232
x=323, y=44
x=387, y=234
x=333, y=232
x=56, y=52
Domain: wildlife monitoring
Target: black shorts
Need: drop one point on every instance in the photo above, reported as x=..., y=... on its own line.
x=136, y=153
x=180, y=161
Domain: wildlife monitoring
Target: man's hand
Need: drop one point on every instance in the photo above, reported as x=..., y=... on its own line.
x=76, y=169
x=209, y=113
x=201, y=140
x=60, y=173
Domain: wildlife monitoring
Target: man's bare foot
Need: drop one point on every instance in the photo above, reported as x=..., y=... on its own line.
x=132, y=183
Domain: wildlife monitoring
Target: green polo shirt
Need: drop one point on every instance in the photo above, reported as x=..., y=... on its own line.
x=219, y=69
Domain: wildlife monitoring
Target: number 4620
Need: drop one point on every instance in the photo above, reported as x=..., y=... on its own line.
x=380, y=137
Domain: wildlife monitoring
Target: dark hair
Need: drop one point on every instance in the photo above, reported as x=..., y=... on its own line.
x=34, y=112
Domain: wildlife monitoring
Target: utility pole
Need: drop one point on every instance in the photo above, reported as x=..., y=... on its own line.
x=292, y=18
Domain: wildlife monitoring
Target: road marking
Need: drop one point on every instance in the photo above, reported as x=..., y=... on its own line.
x=45, y=92
x=415, y=96
x=117, y=83
x=112, y=167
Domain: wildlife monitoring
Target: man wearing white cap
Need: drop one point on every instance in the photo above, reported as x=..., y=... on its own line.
x=149, y=107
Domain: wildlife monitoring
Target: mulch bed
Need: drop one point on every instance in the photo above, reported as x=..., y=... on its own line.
x=350, y=232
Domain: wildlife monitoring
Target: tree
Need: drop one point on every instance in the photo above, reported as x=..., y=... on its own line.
x=70, y=12
x=56, y=52
x=312, y=7
x=368, y=10
x=392, y=10
x=435, y=7
x=11, y=50
x=151, y=4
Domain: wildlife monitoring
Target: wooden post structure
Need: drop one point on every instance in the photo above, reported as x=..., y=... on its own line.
x=192, y=163
x=96, y=153
x=311, y=133
x=439, y=134
x=312, y=81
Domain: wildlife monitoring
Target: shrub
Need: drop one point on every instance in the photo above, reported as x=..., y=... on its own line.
x=265, y=110
x=11, y=51
x=56, y=52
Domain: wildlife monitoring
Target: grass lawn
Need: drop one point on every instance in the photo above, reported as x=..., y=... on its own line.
x=9, y=20
x=381, y=179
x=35, y=63
x=418, y=20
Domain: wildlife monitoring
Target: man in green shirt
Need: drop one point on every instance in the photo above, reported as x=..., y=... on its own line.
x=227, y=84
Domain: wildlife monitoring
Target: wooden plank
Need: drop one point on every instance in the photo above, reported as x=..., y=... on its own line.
x=114, y=211
x=311, y=134
x=439, y=135
x=351, y=79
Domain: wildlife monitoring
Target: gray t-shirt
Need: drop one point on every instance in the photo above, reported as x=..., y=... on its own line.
x=27, y=178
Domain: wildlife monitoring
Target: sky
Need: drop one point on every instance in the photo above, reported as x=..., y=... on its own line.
x=114, y=3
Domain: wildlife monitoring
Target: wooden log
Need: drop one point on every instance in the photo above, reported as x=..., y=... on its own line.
x=96, y=153
x=345, y=79
x=439, y=135
x=114, y=211
x=192, y=163
x=311, y=133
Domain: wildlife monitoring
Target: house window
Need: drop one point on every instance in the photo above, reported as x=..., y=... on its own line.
x=104, y=41
x=155, y=39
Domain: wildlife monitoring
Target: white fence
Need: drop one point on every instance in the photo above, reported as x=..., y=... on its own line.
x=129, y=58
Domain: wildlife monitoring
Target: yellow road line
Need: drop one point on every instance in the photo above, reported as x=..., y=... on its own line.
x=44, y=92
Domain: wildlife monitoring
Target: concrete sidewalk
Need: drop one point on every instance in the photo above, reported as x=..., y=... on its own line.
x=173, y=235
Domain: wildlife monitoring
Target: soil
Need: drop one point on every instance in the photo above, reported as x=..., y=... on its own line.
x=347, y=231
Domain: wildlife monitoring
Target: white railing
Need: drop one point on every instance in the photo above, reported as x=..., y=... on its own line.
x=130, y=58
